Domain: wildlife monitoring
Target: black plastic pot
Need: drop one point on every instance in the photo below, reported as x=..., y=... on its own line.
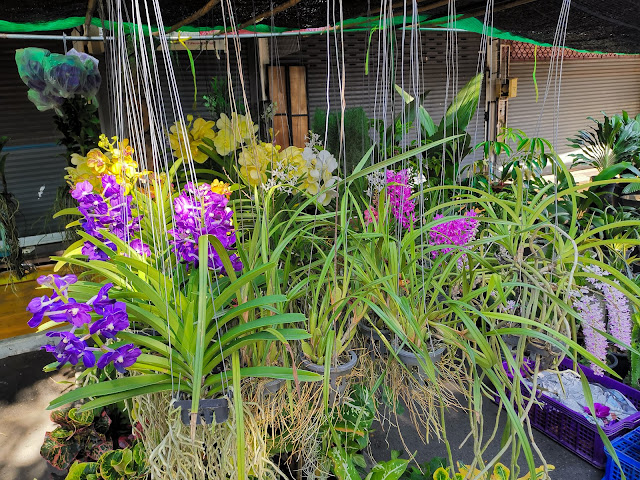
x=410, y=359
x=209, y=410
x=334, y=372
x=622, y=365
x=373, y=338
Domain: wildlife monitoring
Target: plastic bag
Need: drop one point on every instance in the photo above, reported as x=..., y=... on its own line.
x=53, y=77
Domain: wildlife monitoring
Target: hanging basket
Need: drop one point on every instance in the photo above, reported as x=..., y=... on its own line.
x=210, y=410
x=335, y=373
x=412, y=360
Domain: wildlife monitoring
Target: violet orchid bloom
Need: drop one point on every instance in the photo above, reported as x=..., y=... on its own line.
x=111, y=187
x=101, y=300
x=458, y=232
x=602, y=411
x=93, y=252
x=140, y=247
x=54, y=281
x=70, y=349
x=77, y=314
x=115, y=320
x=122, y=357
x=399, y=193
x=81, y=190
x=199, y=211
x=38, y=306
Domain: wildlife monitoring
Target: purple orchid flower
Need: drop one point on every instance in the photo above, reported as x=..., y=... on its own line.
x=101, y=300
x=140, y=247
x=111, y=187
x=115, y=320
x=122, y=357
x=77, y=314
x=81, y=190
x=38, y=306
x=93, y=252
x=70, y=349
x=602, y=411
x=56, y=281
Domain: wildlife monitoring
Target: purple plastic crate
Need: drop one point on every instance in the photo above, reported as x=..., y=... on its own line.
x=572, y=430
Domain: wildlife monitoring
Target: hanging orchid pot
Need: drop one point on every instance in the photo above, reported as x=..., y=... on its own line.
x=412, y=361
x=273, y=386
x=210, y=410
x=335, y=373
x=373, y=340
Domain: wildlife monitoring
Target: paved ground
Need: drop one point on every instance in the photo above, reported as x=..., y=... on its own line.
x=567, y=465
x=25, y=391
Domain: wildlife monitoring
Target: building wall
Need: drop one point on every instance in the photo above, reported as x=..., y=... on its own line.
x=416, y=74
x=587, y=87
x=35, y=161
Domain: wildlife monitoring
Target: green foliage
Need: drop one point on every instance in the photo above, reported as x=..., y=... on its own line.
x=79, y=125
x=356, y=134
x=611, y=141
x=424, y=471
x=345, y=469
x=80, y=435
x=11, y=254
x=415, y=120
x=216, y=100
x=121, y=464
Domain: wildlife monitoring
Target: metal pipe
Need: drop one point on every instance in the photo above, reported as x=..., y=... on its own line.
x=192, y=36
x=31, y=36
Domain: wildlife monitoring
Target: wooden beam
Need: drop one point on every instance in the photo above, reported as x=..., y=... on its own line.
x=269, y=13
x=91, y=8
x=192, y=18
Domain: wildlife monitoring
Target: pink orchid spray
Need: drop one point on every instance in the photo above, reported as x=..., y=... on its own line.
x=399, y=193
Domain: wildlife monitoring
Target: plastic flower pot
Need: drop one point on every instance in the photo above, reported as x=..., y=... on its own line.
x=335, y=373
x=410, y=359
x=272, y=387
x=210, y=410
x=373, y=339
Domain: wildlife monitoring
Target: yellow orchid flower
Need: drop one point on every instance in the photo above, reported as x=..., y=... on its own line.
x=221, y=188
x=225, y=142
x=97, y=161
x=254, y=160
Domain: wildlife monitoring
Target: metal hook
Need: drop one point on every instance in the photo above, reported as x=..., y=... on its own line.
x=64, y=42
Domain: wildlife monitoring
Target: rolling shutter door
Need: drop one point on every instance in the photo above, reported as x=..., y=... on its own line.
x=365, y=90
x=35, y=160
x=588, y=87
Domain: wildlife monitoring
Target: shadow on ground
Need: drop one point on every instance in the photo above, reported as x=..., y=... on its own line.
x=25, y=392
x=387, y=438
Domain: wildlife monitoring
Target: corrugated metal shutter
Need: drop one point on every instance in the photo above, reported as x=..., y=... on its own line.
x=34, y=159
x=207, y=65
x=587, y=88
x=365, y=90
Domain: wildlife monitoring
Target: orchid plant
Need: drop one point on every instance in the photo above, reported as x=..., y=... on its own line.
x=183, y=287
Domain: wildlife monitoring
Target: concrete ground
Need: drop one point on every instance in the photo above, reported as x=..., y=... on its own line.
x=25, y=392
x=567, y=465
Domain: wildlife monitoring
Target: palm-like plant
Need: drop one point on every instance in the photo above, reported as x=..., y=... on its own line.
x=612, y=146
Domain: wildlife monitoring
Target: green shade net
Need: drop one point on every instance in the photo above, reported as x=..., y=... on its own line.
x=359, y=24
